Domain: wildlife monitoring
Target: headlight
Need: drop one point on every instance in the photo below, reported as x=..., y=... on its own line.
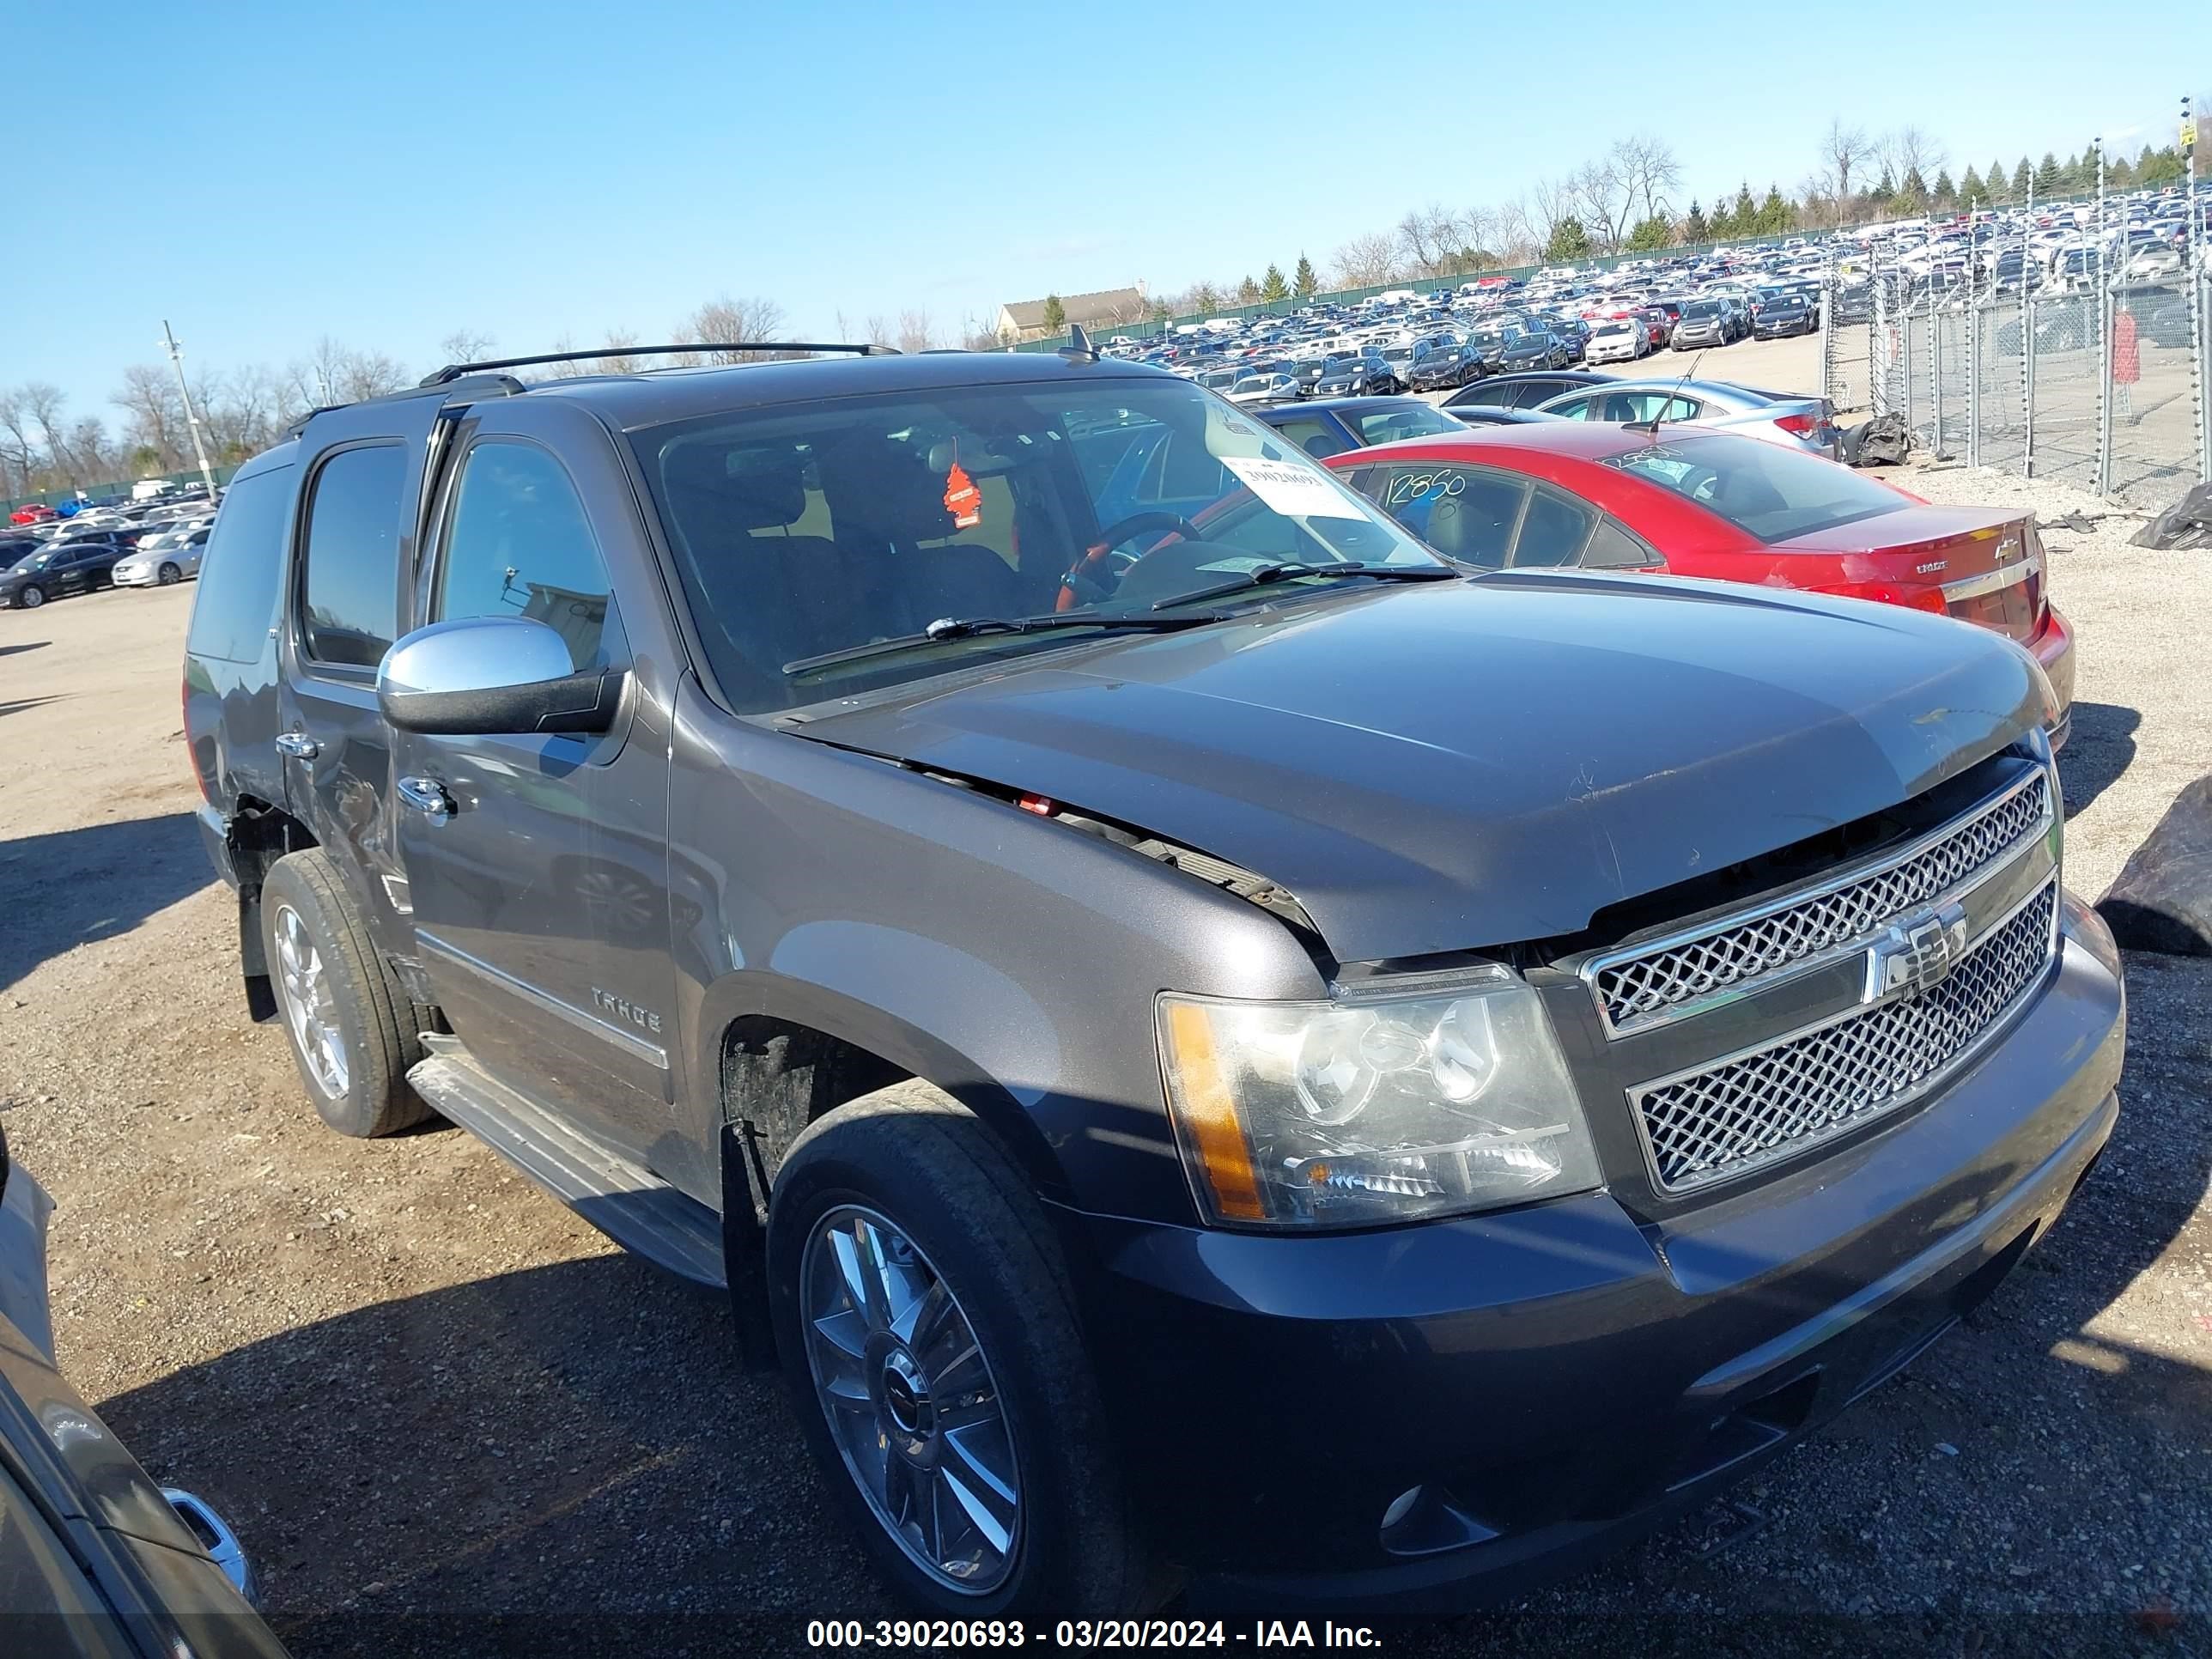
x=1373, y=1108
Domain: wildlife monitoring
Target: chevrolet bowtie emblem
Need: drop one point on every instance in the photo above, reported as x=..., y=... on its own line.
x=1916, y=955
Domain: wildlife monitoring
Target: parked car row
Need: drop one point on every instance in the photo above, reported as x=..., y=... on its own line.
x=83, y=553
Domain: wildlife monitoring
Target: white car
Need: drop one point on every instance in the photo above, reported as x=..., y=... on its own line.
x=158, y=560
x=1263, y=388
x=1616, y=340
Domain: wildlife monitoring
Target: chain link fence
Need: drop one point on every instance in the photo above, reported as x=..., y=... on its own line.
x=2101, y=384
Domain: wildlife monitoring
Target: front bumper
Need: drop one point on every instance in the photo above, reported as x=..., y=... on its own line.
x=122, y=577
x=1555, y=1381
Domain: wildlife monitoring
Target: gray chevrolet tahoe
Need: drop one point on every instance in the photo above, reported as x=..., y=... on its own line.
x=1211, y=1045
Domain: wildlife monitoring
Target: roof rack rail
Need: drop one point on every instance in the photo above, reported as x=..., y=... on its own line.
x=496, y=385
x=455, y=371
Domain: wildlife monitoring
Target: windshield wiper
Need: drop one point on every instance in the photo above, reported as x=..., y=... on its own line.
x=1264, y=575
x=962, y=628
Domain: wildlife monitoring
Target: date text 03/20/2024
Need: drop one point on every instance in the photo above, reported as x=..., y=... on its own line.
x=932, y=1633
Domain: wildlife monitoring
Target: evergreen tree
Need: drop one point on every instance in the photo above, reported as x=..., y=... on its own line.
x=1885, y=188
x=2119, y=173
x=1913, y=194
x=1947, y=193
x=2162, y=167
x=1694, y=228
x=1055, y=314
x=2078, y=173
x=1569, y=242
x=1304, y=282
x=2047, y=177
x=2023, y=179
x=1972, y=191
x=1776, y=216
x=1205, y=299
x=1995, y=182
x=1649, y=234
x=1740, y=218
x=1161, y=313
x=1272, y=287
x=2144, y=160
x=1248, y=292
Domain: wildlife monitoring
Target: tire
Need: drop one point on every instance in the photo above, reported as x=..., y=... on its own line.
x=911, y=1157
x=367, y=1094
x=168, y=575
x=31, y=598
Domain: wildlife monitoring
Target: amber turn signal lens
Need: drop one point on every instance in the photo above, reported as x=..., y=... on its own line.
x=1209, y=1113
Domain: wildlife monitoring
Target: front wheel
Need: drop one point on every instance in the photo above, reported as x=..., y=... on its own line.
x=168, y=574
x=31, y=598
x=926, y=1324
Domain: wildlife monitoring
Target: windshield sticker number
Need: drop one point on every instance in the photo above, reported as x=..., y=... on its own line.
x=1410, y=486
x=1289, y=489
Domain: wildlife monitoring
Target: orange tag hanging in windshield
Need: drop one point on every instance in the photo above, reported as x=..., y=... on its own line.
x=962, y=499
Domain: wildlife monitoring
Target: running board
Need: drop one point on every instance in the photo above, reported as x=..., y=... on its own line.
x=626, y=1201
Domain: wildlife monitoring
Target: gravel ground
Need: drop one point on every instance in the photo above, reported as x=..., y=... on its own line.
x=448, y=1418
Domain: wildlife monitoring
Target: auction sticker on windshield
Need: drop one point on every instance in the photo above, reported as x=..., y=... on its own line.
x=1289, y=489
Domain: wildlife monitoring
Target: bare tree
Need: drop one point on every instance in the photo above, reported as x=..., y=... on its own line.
x=1647, y=173
x=43, y=403
x=15, y=422
x=916, y=332
x=89, y=452
x=157, y=421
x=1843, y=147
x=616, y=358
x=1549, y=200
x=1603, y=201
x=466, y=345
x=1365, y=261
x=364, y=374
x=727, y=322
x=1911, y=149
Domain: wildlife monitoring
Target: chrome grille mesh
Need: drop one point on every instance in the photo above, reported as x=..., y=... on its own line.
x=1639, y=987
x=1783, y=1098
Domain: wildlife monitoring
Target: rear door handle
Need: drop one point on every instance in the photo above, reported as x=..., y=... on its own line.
x=427, y=796
x=298, y=745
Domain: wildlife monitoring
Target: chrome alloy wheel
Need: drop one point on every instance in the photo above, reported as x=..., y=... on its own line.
x=311, y=1006
x=910, y=1399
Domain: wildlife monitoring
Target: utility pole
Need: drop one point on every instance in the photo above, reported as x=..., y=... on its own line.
x=191, y=416
x=2194, y=276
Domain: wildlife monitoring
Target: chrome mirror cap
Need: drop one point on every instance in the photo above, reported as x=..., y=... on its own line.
x=476, y=654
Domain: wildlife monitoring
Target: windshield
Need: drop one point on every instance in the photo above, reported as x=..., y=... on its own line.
x=1702, y=309
x=1766, y=491
x=803, y=532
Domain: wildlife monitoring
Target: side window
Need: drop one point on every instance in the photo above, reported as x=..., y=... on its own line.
x=350, y=591
x=1611, y=548
x=1575, y=409
x=1465, y=513
x=240, y=569
x=519, y=544
x=1553, y=531
x=1315, y=436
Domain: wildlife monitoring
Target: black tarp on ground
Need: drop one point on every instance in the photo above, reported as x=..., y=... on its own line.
x=2187, y=523
x=2162, y=900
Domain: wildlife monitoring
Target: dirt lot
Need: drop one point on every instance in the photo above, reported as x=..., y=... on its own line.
x=449, y=1419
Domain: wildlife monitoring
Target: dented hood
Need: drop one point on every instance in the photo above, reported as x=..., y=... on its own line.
x=1457, y=765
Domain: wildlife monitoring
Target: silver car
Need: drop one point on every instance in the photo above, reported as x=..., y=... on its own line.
x=1799, y=423
x=159, y=560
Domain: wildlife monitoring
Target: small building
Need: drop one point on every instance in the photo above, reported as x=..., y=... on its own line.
x=1109, y=308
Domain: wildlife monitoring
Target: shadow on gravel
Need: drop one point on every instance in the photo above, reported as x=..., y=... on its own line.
x=64, y=889
x=18, y=707
x=2101, y=747
x=564, y=1460
x=28, y=645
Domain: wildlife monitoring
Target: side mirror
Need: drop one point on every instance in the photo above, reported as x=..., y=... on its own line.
x=492, y=674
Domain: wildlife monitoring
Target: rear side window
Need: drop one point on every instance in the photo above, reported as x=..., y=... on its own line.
x=1465, y=513
x=351, y=585
x=522, y=545
x=241, y=569
x=1771, y=492
x=1314, y=436
x=1553, y=531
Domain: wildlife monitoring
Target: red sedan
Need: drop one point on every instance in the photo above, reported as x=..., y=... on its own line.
x=1697, y=503
x=33, y=513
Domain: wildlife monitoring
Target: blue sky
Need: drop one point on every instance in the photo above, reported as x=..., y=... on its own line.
x=385, y=174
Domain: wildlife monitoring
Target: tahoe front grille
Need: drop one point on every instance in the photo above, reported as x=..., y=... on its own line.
x=1794, y=1092
x=1661, y=980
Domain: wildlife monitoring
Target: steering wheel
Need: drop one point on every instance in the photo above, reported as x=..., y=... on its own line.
x=1085, y=582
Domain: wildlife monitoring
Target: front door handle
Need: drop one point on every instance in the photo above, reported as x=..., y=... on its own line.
x=298, y=745
x=427, y=796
